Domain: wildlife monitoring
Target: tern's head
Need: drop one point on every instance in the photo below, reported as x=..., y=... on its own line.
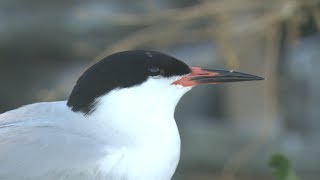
x=147, y=75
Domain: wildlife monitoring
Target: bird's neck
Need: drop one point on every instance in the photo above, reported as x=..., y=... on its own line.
x=139, y=114
x=135, y=115
x=143, y=123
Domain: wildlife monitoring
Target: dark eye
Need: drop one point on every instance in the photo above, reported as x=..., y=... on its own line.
x=155, y=71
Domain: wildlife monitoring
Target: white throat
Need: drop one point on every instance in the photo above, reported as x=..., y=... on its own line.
x=141, y=119
x=140, y=109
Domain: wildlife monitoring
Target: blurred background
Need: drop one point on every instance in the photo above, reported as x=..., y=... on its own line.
x=228, y=131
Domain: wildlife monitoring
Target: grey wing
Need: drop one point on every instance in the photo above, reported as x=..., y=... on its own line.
x=48, y=152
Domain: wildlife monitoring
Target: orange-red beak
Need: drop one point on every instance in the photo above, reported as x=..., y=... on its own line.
x=212, y=76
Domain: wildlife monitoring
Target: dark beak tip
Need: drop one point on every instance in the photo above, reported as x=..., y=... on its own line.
x=207, y=76
x=246, y=76
x=257, y=78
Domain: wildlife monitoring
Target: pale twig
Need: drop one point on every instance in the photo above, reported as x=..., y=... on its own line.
x=188, y=14
x=272, y=53
x=316, y=16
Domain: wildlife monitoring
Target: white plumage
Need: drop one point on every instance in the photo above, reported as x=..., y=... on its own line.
x=131, y=135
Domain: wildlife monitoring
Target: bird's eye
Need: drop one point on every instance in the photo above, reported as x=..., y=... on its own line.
x=155, y=71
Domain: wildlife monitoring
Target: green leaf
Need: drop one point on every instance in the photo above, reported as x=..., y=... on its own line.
x=281, y=167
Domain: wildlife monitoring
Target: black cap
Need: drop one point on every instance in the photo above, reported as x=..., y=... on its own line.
x=121, y=70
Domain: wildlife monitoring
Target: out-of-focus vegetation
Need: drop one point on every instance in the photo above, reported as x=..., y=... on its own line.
x=282, y=169
x=228, y=131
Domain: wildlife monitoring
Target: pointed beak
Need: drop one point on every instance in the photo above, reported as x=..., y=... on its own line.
x=212, y=76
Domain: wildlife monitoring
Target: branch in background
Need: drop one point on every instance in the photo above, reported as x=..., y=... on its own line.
x=169, y=27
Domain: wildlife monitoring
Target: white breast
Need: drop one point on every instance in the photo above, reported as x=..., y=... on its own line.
x=142, y=120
